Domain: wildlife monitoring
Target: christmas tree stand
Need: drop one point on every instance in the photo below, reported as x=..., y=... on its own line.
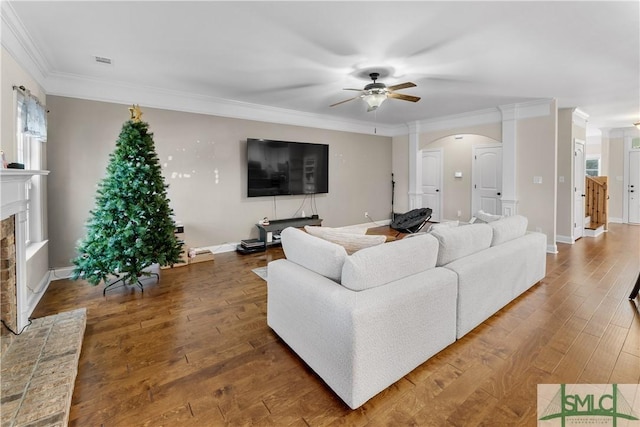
x=149, y=272
x=123, y=282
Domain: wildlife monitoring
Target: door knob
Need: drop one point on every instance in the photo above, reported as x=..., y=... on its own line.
x=499, y=193
x=437, y=190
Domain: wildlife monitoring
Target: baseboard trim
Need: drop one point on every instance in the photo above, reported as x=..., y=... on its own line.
x=552, y=249
x=60, y=273
x=34, y=298
x=564, y=239
x=589, y=232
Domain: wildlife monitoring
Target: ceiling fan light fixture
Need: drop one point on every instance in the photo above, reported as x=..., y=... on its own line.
x=637, y=124
x=374, y=100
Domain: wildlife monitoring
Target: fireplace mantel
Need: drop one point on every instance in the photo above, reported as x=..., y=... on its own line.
x=12, y=190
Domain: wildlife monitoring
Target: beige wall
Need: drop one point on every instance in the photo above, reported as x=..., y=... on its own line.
x=400, y=169
x=457, y=157
x=536, y=156
x=604, y=156
x=565, y=173
x=205, y=159
x=568, y=131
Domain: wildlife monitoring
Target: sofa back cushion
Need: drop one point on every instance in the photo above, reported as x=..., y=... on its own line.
x=351, y=241
x=458, y=242
x=508, y=228
x=313, y=253
x=382, y=264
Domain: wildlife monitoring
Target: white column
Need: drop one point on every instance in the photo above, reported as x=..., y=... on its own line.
x=415, y=167
x=509, y=138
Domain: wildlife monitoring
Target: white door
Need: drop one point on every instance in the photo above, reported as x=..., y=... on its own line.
x=486, y=188
x=578, y=189
x=633, y=191
x=432, y=182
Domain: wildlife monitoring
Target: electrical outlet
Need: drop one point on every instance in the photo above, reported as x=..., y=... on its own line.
x=366, y=214
x=459, y=214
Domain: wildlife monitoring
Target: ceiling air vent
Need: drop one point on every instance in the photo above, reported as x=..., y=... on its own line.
x=103, y=60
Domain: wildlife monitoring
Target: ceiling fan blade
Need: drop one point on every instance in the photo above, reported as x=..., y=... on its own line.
x=401, y=86
x=342, y=102
x=349, y=88
x=403, y=97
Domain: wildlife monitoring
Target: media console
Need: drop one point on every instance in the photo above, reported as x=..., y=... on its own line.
x=270, y=233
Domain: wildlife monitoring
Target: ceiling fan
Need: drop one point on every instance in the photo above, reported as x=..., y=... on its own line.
x=374, y=93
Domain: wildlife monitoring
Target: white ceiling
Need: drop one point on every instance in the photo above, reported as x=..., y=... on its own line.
x=463, y=56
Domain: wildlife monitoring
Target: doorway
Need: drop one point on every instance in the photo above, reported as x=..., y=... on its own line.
x=487, y=179
x=432, y=182
x=633, y=187
x=578, y=188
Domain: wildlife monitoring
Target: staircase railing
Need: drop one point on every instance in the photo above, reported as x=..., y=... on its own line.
x=597, y=201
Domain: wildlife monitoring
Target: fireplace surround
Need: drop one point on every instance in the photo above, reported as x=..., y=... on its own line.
x=15, y=306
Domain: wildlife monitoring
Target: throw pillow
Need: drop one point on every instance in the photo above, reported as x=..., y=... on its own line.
x=446, y=224
x=349, y=241
x=484, y=217
x=317, y=255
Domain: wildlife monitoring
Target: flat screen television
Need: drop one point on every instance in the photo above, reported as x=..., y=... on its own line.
x=277, y=168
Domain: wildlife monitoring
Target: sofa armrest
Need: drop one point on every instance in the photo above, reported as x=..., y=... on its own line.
x=360, y=342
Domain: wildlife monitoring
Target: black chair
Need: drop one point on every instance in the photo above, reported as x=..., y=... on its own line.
x=636, y=289
x=412, y=221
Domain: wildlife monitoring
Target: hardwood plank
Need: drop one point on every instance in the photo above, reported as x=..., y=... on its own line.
x=626, y=370
x=195, y=349
x=600, y=366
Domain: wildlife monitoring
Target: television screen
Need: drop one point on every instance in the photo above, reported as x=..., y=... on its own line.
x=276, y=168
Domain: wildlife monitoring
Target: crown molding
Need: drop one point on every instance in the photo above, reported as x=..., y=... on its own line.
x=19, y=44
x=456, y=121
x=630, y=131
x=517, y=111
x=81, y=87
x=535, y=108
x=579, y=117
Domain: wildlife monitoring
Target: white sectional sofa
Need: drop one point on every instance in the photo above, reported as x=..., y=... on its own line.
x=365, y=320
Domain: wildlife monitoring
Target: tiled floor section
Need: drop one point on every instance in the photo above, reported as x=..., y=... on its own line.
x=39, y=369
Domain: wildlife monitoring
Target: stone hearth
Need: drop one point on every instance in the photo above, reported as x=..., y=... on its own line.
x=38, y=371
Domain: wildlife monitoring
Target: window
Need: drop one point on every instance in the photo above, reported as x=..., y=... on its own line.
x=31, y=133
x=593, y=166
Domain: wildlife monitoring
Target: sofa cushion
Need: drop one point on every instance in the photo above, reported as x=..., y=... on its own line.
x=458, y=242
x=352, y=242
x=382, y=264
x=508, y=228
x=318, y=255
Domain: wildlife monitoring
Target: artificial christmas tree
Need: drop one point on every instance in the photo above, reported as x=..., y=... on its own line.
x=131, y=227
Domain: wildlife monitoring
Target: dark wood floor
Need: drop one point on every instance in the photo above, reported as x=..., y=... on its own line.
x=195, y=349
